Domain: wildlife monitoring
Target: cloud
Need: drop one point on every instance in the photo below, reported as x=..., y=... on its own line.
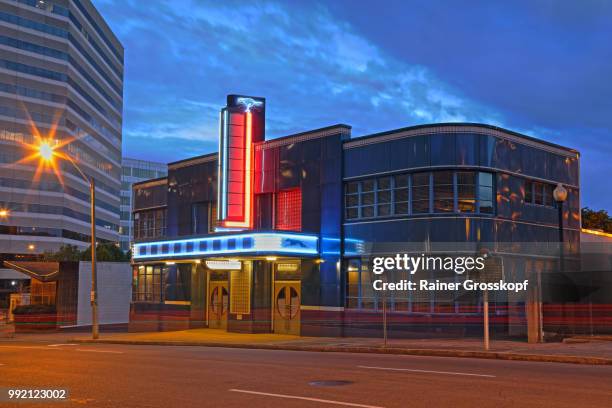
x=371, y=67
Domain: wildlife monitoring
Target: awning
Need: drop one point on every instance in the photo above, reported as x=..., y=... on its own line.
x=43, y=271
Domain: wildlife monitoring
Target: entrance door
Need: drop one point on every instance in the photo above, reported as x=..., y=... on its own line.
x=287, y=300
x=218, y=302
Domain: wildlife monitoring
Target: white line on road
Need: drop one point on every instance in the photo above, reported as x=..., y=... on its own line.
x=100, y=351
x=62, y=344
x=427, y=371
x=323, y=401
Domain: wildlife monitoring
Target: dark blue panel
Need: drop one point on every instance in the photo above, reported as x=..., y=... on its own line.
x=443, y=147
x=231, y=243
x=247, y=243
x=203, y=246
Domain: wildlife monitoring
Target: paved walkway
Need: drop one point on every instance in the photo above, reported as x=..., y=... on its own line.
x=587, y=351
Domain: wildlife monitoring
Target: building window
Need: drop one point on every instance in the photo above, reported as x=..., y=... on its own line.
x=383, y=196
x=466, y=191
x=538, y=193
x=177, y=282
x=351, y=200
x=420, y=193
x=401, y=194
x=485, y=193
x=443, y=191
x=150, y=223
x=147, y=283
x=289, y=210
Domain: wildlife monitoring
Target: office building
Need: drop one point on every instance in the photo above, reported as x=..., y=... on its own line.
x=61, y=83
x=133, y=170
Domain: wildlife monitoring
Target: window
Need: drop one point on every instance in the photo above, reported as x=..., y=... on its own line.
x=150, y=223
x=177, y=282
x=147, y=283
x=289, y=210
x=125, y=200
x=485, y=193
x=453, y=191
x=539, y=193
x=367, y=198
x=383, y=196
x=400, y=194
x=466, y=191
x=443, y=191
x=351, y=200
x=420, y=193
x=528, y=191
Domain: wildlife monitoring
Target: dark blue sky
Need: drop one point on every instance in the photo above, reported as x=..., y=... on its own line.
x=543, y=68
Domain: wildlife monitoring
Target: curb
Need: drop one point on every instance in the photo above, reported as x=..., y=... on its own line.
x=491, y=355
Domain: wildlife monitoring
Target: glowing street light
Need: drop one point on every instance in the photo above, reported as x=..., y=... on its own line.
x=4, y=213
x=45, y=150
x=47, y=153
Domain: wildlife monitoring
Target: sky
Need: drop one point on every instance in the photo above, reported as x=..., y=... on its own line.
x=543, y=68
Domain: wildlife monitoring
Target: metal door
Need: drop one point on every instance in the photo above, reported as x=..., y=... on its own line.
x=287, y=300
x=218, y=302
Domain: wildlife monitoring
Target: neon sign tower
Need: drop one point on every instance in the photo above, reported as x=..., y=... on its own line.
x=241, y=124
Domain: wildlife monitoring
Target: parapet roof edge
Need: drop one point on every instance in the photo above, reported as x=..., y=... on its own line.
x=362, y=140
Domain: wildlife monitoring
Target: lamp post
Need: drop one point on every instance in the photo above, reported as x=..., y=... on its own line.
x=560, y=195
x=47, y=153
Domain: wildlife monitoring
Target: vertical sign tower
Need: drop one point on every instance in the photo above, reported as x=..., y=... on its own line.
x=242, y=123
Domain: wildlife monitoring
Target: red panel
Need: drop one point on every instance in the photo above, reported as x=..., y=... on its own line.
x=289, y=210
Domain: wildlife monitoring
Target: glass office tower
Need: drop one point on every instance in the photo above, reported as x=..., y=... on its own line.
x=133, y=170
x=61, y=78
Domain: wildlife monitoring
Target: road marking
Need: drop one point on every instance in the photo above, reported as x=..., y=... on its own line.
x=427, y=371
x=100, y=351
x=323, y=401
x=62, y=344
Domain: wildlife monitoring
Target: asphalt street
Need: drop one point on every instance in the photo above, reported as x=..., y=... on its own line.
x=163, y=376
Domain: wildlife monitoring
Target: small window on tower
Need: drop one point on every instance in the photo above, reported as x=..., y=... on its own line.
x=289, y=210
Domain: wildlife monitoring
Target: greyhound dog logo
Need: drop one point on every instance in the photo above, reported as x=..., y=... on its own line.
x=248, y=103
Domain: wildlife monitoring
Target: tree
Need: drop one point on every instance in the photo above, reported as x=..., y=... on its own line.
x=106, y=252
x=65, y=253
x=597, y=220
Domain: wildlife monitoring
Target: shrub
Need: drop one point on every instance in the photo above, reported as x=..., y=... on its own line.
x=34, y=309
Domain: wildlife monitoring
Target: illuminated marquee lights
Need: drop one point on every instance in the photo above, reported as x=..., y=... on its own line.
x=253, y=244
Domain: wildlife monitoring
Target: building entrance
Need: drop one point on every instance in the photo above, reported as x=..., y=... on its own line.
x=218, y=302
x=287, y=300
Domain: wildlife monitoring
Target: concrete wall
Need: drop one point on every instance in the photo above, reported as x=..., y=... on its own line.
x=114, y=292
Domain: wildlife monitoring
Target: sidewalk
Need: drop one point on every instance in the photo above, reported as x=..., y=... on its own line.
x=591, y=352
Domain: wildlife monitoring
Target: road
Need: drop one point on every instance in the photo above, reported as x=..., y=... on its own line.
x=162, y=376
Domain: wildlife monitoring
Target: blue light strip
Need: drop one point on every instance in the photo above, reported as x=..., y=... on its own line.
x=253, y=243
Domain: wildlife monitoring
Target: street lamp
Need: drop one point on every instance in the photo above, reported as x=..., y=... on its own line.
x=4, y=213
x=560, y=195
x=47, y=154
